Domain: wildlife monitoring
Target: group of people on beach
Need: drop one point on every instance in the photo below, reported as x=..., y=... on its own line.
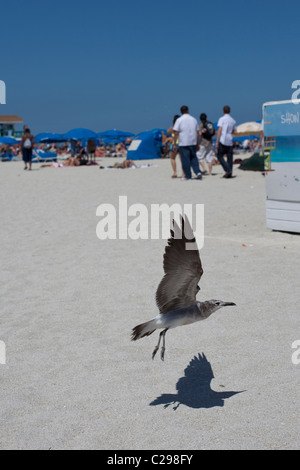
x=193, y=143
x=92, y=150
x=73, y=153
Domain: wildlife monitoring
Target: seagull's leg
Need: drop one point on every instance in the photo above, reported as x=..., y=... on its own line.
x=157, y=346
x=162, y=352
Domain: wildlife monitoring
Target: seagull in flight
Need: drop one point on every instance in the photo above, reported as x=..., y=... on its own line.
x=176, y=293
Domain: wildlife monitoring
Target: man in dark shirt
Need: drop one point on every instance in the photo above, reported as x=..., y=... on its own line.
x=206, y=151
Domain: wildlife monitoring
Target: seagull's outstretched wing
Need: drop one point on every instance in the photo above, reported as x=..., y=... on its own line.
x=183, y=270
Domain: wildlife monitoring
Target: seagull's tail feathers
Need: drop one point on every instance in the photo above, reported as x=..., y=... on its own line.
x=144, y=329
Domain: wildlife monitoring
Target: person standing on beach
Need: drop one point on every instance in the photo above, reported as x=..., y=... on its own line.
x=24, y=130
x=174, y=148
x=27, y=144
x=206, y=151
x=186, y=131
x=91, y=149
x=224, y=144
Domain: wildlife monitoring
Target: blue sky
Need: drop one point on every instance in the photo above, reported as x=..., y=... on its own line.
x=131, y=64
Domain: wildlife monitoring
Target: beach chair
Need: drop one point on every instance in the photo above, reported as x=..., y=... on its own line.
x=41, y=156
x=7, y=157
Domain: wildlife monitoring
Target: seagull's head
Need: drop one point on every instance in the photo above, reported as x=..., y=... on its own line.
x=214, y=305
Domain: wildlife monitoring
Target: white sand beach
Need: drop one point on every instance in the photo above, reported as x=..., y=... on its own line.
x=74, y=380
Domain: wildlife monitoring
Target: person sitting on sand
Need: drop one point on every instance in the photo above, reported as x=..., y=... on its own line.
x=120, y=148
x=127, y=142
x=100, y=151
x=108, y=150
x=76, y=161
x=71, y=161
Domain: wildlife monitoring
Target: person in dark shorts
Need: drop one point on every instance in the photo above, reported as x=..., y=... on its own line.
x=91, y=149
x=27, y=144
x=224, y=144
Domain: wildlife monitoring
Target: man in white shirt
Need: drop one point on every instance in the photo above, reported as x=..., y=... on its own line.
x=186, y=131
x=226, y=127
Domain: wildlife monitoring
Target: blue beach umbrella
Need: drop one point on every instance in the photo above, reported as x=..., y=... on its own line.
x=49, y=137
x=8, y=140
x=79, y=134
x=114, y=136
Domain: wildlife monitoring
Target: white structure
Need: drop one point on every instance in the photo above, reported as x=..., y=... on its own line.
x=2, y=92
x=281, y=122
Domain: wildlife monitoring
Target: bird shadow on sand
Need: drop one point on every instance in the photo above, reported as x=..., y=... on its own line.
x=193, y=389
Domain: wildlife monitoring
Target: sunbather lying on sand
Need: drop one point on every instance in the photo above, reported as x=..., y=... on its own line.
x=125, y=164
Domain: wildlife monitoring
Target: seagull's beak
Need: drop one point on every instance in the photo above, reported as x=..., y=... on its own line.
x=227, y=304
